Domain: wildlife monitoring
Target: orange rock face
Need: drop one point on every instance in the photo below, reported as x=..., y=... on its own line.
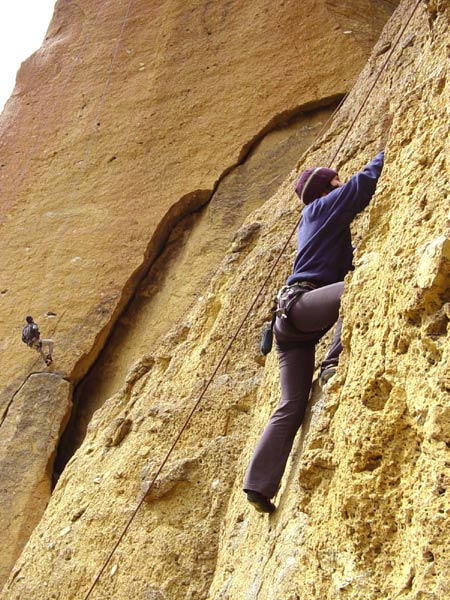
x=126, y=121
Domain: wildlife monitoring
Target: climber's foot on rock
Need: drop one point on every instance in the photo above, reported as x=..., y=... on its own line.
x=326, y=374
x=260, y=502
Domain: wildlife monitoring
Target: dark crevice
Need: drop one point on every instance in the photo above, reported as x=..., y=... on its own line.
x=188, y=204
x=191, y=204
x=281, y=121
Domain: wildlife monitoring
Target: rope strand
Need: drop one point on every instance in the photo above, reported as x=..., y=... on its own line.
x=231, y=342
x=400, y=35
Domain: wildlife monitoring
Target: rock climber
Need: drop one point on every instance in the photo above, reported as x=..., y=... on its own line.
x=32, y=337
x=308, y=306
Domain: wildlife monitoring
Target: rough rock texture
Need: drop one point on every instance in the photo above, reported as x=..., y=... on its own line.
x=131, y=117
x=363, y=511
x=31, y=430
x=103, y=176
x=192, y=255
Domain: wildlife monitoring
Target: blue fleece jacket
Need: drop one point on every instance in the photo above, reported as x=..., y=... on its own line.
x=325, y=252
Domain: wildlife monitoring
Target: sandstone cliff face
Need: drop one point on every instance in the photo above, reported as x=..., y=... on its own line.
x=130, y=118
x=363, y=510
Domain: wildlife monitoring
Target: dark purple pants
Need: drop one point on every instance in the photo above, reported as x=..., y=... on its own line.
x=310, y=317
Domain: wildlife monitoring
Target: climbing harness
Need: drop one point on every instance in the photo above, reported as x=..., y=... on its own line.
x=234, y=337
x=238, y=330
x=286, y=297
x=267, y=333
x=288, y=294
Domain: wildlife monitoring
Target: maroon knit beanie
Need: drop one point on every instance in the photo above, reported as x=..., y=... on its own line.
x=313, y=182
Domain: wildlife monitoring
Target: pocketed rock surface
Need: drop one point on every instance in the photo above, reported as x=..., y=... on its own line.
x=130, y=118
x=363, y=509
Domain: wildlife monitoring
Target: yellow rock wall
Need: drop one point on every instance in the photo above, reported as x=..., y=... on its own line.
x=363, y=511
x=128, y=120
x=125, y=120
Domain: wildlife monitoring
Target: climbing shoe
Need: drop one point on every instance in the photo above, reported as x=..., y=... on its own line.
x=48, y=360
x=326, y=374
x=260, y=502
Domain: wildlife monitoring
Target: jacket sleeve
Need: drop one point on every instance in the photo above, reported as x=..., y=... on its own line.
x=343, y=204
